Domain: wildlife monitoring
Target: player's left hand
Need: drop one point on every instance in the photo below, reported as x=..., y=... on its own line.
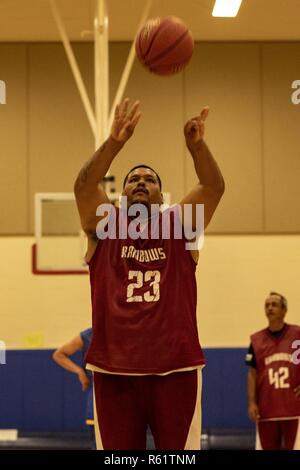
x=83, y=379
x=194, y=129
x=297, y=391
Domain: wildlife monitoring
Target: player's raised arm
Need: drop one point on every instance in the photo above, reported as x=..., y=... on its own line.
x=210, y=187
x=88, y=192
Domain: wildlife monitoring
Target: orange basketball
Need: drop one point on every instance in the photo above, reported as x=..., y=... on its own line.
x=164, y=45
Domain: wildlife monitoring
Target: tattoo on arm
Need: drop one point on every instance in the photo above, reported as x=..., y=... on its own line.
x=84, y=172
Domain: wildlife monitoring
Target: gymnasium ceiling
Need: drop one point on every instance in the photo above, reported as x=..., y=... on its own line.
x=31, y=20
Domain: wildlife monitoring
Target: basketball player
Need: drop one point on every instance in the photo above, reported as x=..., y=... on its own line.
x=145, y=352
x=274, y=380
x=62, y=355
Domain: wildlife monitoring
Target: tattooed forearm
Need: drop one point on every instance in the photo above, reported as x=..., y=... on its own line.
x=93, y=165
x=83, y=174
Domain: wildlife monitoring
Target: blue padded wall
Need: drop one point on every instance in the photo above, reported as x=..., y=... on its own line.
x=37, y=395
x=224, y=399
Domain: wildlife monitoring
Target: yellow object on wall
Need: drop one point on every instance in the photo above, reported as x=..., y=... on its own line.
x=34, y=340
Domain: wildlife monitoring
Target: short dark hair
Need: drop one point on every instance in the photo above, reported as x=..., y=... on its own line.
x=284, y=303
x=142, y=166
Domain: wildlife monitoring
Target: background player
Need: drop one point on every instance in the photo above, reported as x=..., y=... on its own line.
x=62, y=355
x=274, y=380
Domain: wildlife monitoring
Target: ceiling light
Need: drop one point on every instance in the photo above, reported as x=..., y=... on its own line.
x=227, y=8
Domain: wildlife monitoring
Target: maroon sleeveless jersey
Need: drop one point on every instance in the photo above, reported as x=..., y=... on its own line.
x=144, y=298
x=277, y=375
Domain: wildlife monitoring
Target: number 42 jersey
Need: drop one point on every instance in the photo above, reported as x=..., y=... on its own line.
x=144, y=299
x=277, y=373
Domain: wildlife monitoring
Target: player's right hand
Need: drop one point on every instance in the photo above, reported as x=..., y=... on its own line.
x=194, y=130
x=253, y=412
x=84, y=380
x=125, y=121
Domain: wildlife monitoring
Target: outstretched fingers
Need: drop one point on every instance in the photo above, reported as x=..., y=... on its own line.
x=130, y=125
x=134, y=110
x=123, y=108
x=121, y=111
x=117, y=112
x=204, y=113
x=136, y=119
x=125, y=120
x=133, y=116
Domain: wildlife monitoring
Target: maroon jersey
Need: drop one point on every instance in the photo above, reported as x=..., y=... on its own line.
x=144, y=304
x=277, y=375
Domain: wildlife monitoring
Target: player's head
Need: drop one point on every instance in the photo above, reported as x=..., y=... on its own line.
x=142, y=185
x=275, y=307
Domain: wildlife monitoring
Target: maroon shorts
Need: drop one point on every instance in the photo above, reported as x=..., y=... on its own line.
x=279, y=434
x=170, y=405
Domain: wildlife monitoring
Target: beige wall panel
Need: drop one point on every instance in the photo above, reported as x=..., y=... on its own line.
x=227, y=78
x=13, y=144
x=54, y=308
x=60, y=138
x=281, y=66
x=234, y=275
x=158, y=139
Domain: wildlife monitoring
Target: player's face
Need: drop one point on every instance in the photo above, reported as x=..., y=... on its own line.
x=142, y=187
x=273, y=308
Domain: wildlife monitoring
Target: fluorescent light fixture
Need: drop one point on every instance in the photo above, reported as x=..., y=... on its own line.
x=226, y=8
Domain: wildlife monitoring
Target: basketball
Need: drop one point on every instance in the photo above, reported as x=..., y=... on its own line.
x=164, y=45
